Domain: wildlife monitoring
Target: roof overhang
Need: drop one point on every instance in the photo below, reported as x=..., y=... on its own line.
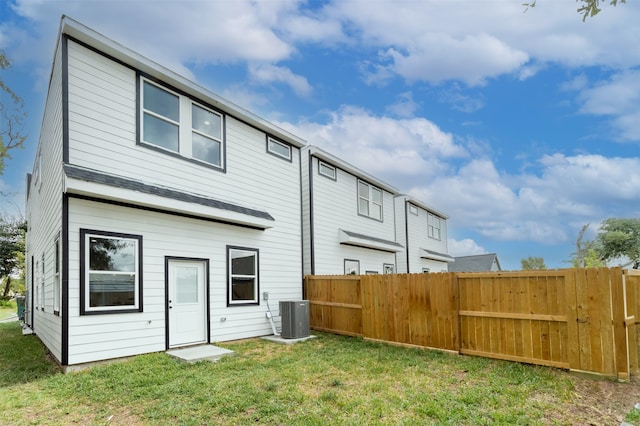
x=94, y=184
x=360, y=240
x=430, y=254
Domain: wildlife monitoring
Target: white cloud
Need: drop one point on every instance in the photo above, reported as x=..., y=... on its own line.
x=619, y=98
x=267, y=74
x=382, y=145
x=474, y=41
x=464, y=247
x=405, y=106
x=191, y=31
x=473, y=58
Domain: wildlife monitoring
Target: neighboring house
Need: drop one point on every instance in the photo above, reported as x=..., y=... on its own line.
x=348, y=218
x=158, y=213
x=476, y=263
x=422, y=230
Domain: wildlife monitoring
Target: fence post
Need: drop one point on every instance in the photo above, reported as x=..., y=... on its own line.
x=456, y=291
x=618, y=313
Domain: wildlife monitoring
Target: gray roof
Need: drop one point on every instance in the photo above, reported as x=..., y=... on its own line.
x=475, y=263
x=94, y=176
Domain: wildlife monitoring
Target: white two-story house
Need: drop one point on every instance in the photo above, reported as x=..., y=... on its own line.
x=348, y=218
x=159, y=214
x=422, y=231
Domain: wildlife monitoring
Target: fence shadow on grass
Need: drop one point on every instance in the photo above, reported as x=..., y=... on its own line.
x=23, y=359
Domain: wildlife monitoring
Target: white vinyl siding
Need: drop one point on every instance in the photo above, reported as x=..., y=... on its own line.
x=43, y=214
x=416, y=228
x=102, y=134
x=335, y=207
x=95, y=337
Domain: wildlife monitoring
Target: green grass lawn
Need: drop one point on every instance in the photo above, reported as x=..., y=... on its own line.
x=328, y=380
x=7, y=308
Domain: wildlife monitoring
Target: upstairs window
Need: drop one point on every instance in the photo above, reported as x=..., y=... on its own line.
x=326, y=170
x=413, y=210
x=177, y=124
x=161, y=117
x=434, y=227
x=279, y=149
x=369, y=200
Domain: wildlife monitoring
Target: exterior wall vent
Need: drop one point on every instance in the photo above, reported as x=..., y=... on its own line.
x=295, y=319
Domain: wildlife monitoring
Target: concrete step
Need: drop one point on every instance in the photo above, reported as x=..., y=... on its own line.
x=193, y=354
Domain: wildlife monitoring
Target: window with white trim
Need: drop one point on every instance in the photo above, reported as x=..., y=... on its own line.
x=369, y=200
x=434, y=226
x=351, y=267
x=36, y=286
x=413, y=210
x=388, y=268
x=176, y=123
x=327, y=170
x=42, y=289
x=279, y=149
x=111, y=272
x=243, y=283
x=56, y=277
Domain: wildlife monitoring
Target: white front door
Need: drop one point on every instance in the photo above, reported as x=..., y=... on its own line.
x=186, y=302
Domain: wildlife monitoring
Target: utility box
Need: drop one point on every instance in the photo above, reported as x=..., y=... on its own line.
x=295, y=319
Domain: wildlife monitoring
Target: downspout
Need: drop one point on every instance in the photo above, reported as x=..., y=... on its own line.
x=312, y=250
x=406, y=233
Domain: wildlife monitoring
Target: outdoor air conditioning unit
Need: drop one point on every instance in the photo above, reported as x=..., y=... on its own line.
x=295, y=319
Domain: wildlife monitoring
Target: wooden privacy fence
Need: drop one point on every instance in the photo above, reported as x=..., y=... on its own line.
x=579, y=319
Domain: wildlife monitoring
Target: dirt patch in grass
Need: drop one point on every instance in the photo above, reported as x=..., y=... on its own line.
x=601, y=402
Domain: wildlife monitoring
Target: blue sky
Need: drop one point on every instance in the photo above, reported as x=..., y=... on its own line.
x=522, y=127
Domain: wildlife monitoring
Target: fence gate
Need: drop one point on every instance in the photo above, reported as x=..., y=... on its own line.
x=598, y=340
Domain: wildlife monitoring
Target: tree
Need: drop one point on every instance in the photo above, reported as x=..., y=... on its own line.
x=11, y=117
x=533, y=263
x=587, y=254
x=11, y=247
x=620, y=237
x=589, y=8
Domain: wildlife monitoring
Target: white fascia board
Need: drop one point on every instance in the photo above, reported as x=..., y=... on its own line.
x=367, y=243
x=350, y=168
x=104, y=44
x=428, y=254
x=422, y=205
x=110, y=193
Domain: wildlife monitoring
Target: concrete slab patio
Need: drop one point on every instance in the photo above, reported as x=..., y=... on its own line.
x=193, y=354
